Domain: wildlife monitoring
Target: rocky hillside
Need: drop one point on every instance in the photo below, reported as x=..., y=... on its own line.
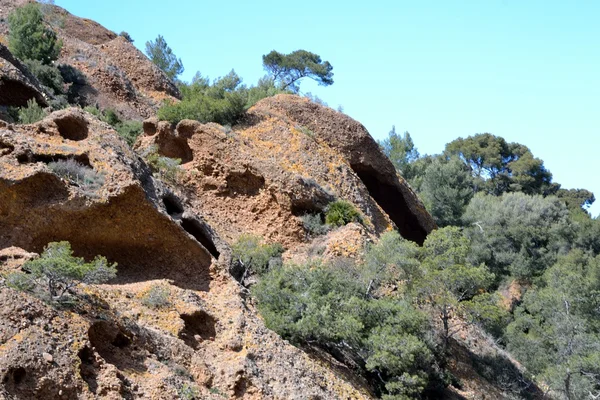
x=286, y=158
x=118, y=76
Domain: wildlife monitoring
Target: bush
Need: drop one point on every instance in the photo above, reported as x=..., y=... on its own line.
x=58, y=271
x=29, y=38
x=314, y=225
x=78, y=174
x=129, y=130
x=127, y=37
x=32, y=113
x=188, y=392
x=20, y=281
x=76, y=81
x=224, y=101
x=164, y=168
x=326, y=307
x=157, y=297
x=94, y=111
x=250, y=255
x=48, y=75
x=111, y=117
x=341, y=212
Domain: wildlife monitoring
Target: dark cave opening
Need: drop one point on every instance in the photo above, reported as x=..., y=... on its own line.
x=172, y=205
x=30, y=158
x=392, y=201
x=195, y=228
x=198, y=325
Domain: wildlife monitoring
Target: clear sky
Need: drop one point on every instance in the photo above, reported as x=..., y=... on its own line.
x=528, y=71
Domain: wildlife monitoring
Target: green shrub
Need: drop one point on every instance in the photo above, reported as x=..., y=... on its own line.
x=164, y=168
x=32, y=113
x=29, y=38
x=20, y=281
x=129, y=130
x=250, y=255
x=327, y=307
x=78, y=174
x=188, y=392
x=157, y=297
x=314, y=225
x=48, y=75
x=224, y=101
x=127, y=37
x=94, y=111
x=111, y=117
x=57, y=271
x=76, y=82
x=341, y=212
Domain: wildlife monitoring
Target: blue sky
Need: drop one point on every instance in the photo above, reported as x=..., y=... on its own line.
x=528, y=71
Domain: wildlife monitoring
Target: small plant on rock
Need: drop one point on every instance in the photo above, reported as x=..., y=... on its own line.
x=157, y=297
x=341, y=212
x=164, y=168
x=59, y=272
x=314, y=225
x=32, y=113
x=79, y=175
x=188, y=392
x=249, y=254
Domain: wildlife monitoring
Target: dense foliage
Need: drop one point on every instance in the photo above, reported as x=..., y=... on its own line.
x=29, y=38
x=224, y=101
x=511, y=225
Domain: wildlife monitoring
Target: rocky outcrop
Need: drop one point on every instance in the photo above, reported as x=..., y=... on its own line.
x=111, y=344
x=280, y=164
x=17, y=84
x=117, y=75
x=364, y=156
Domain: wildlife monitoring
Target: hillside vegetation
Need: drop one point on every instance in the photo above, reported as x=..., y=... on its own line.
x=243, y=199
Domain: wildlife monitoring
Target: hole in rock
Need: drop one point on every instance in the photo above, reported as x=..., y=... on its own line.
x=199, y=326
x=87, y=370
x=14, y=377
x=72, y=127
x=392, y=201
x=19, y=375
x=14, y=93
x=198, y=231
x=6, y=148
x=113, y=345
x=241, y=387
x=30, y=158
x=246, y=183
x=121, y=341
x=172, y=205
x=175, y=148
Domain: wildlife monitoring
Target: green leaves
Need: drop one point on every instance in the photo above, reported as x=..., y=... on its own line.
x=340, y=213
x=251, y=255
x=29, y=38
x=401, y=151
x=556, y=329
x=59, y=271
x=446, y=188
x=501, y=167
x=517, y=234
x=288, y=69
x=163, y=57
